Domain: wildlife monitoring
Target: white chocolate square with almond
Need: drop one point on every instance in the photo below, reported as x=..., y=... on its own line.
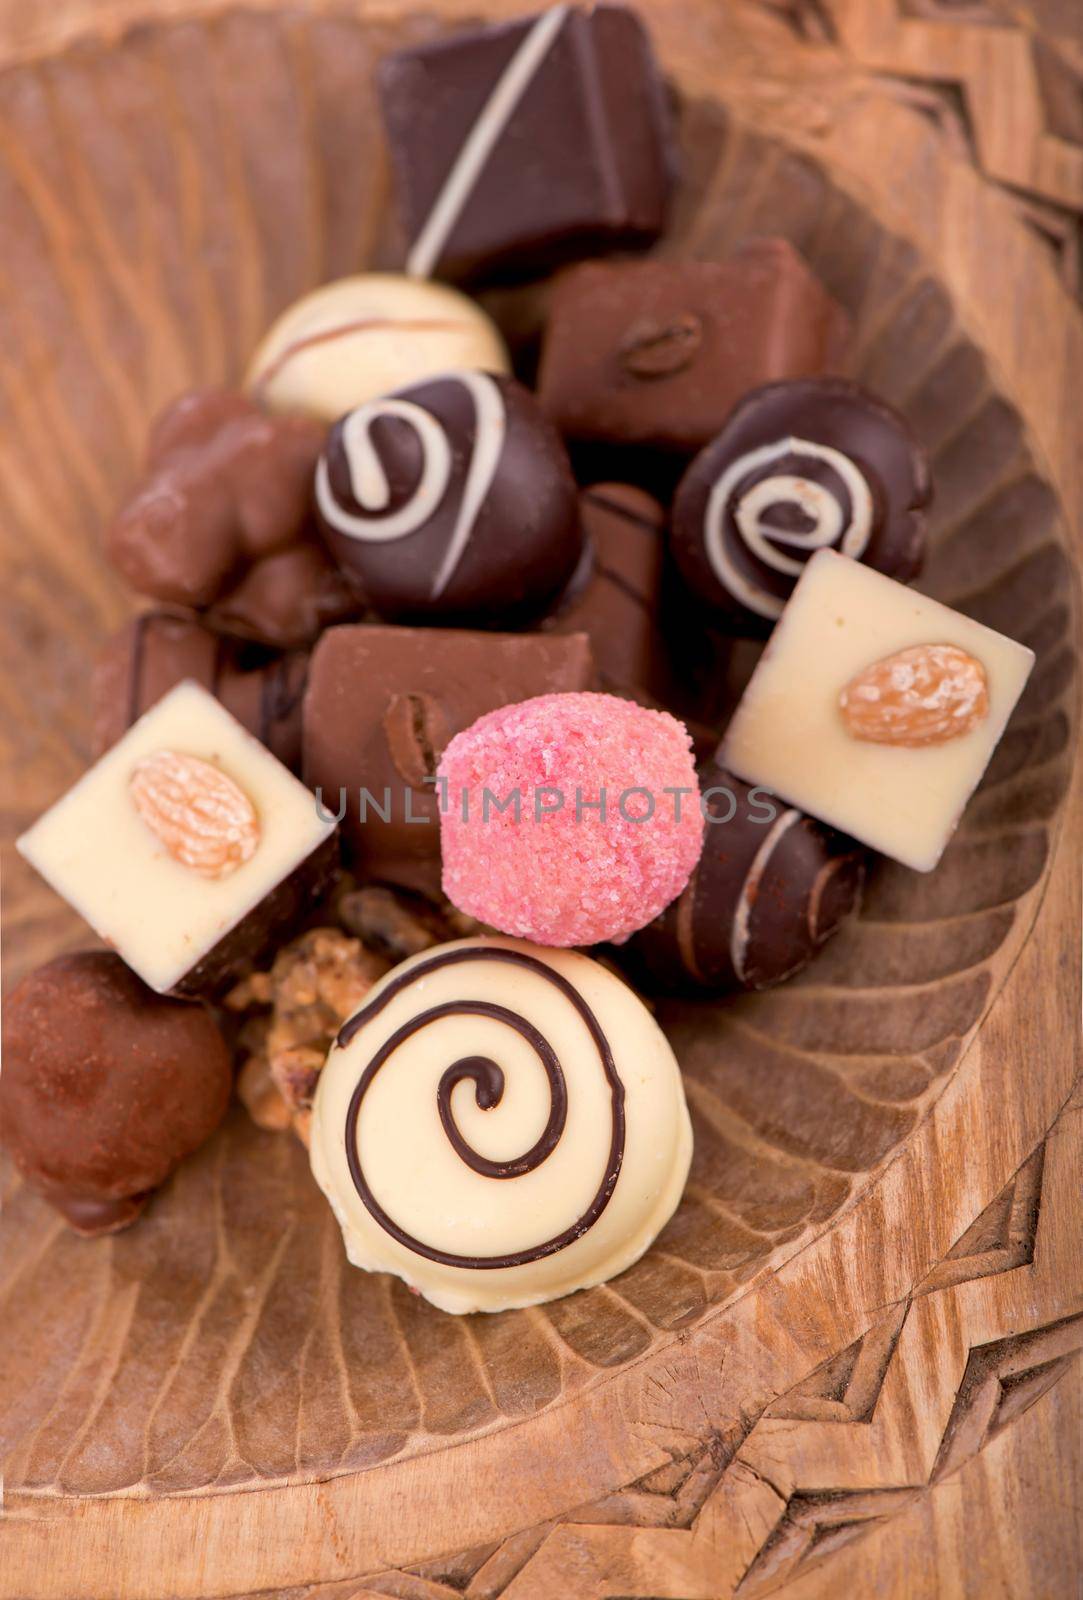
x=176, y=836
x=875, y=709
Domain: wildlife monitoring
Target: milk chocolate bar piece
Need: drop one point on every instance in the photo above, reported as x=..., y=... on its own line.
x=615, y=598
x=518, y=146
x=187, y=847
x=157, y=650
x=381, y=705
x=656, y=354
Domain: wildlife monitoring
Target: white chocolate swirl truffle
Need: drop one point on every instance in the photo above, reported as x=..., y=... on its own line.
x=356, y=338
x=500, y=1124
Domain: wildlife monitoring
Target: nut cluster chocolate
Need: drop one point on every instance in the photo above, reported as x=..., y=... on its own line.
x=222, y=521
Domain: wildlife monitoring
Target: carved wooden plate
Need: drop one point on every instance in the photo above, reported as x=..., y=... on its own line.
x=866, y=1282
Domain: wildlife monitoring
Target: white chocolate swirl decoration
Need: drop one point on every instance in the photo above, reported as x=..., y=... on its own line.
x=489, y=1081
x=839, y=513
x=372, y=492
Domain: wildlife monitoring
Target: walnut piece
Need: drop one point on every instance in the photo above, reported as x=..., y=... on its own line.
x=316, y=982
x=258, y=1094
x=291, y=1013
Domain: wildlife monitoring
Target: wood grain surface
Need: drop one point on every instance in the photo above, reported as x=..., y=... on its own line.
x=852, y=1359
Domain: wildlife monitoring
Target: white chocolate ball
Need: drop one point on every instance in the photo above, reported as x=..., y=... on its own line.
x=350, y=341
x=500, y=1124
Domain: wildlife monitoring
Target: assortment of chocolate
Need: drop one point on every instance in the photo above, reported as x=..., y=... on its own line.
x=410, y=612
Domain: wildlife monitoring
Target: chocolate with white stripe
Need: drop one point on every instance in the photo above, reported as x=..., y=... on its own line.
x=771, y=887
x=518, y=146
x=451, y=500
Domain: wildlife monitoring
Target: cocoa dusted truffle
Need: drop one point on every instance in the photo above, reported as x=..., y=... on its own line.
x=799, y=467
x=154, y=652
x=518, y=146
x=222, y=521
x=771, y=887
x=106, y=1087
x=646, y=359
x=451, y=501
x=359, y=337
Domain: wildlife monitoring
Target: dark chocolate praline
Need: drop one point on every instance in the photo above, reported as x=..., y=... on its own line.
x=800, y=466
x=451, y=502
x=772, y=885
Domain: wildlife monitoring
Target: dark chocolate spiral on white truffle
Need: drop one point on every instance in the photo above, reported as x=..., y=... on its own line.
x=801, y=466
x=451, y=500
x=488, y=1078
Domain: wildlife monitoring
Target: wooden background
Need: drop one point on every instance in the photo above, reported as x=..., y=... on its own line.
x=853, y=1364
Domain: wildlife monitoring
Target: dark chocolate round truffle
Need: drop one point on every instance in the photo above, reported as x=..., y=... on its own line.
x=106, y=1086
x=451, y=501
x=800, y=466
x=771, y=886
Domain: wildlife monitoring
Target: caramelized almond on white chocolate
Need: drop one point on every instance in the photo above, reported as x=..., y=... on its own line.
x=925, y=695
x=202, y=817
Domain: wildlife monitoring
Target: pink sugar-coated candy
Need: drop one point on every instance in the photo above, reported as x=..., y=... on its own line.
x=551, y=877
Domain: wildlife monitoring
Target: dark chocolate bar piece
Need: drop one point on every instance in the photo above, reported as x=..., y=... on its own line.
x=518, y=146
